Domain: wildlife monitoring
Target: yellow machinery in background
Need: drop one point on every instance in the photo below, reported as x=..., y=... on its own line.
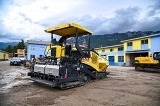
x=148, y=63
x=65, y=65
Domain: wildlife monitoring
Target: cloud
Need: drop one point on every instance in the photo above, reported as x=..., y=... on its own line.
x=154, y=9
x=148, y=25
x=27, y=19
x=125, y=19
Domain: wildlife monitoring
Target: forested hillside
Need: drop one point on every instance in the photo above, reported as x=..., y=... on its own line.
x=113, y=39
x=3, y=45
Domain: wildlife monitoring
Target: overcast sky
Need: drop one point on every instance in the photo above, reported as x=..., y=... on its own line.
x=27, y=19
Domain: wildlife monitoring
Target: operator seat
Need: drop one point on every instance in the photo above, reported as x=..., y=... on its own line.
x=67, y=49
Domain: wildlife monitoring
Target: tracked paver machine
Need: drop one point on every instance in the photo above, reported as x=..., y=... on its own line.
x=148, y=63
x=77, y=65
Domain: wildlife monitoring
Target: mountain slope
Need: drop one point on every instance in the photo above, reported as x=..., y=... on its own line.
x=4, y=45
x=114, y=39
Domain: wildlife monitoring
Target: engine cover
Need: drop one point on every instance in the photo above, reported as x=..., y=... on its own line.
x=39, y=68
x=52, y=70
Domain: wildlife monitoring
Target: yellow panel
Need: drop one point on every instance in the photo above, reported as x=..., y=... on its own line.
x=107, y=50
x=60, y=52
x=125, y=46
x=68, y=29
x=136, y=44
x=63, y=52
x=116, y=58
x=115, y=49
x=96, y=62
x=99, y=50
x=149, y=54
x=149, y=43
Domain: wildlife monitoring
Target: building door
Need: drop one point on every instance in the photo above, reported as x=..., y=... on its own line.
x=111, y=60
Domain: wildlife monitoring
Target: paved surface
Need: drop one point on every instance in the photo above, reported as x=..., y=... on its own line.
x=123, y=87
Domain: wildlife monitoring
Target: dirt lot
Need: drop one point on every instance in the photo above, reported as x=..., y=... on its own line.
x=123, y=87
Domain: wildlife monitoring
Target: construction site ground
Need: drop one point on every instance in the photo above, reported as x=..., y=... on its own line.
x=123, y=87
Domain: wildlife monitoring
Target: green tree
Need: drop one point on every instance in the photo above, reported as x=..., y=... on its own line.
x=21, y=45
x=14, y=49
x=9, y=49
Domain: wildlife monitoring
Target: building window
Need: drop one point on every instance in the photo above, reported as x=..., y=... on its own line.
x=144, y=44
x=144, y=41
x=129, y=44
x=120, y=58
x=40, y=56
x=111, y=49
x=42, y=48
x=103, y=50
x=32, y=47
x=120, y=49
x=32, y=56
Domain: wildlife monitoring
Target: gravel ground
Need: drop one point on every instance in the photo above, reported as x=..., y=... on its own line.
x=123, y=87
